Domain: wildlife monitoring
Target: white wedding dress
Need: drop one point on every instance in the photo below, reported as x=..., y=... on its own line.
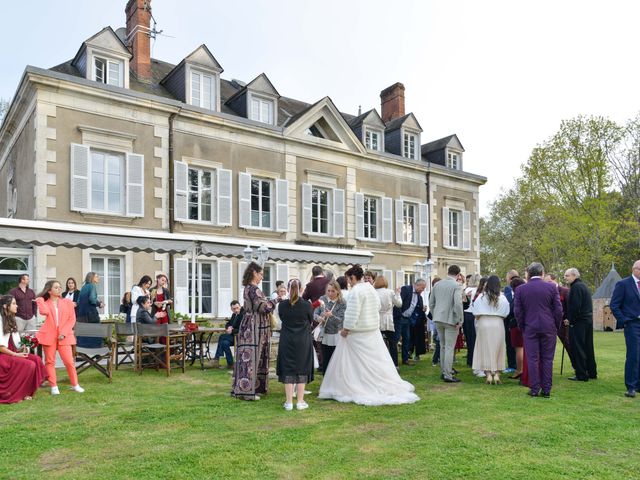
x=361, y=370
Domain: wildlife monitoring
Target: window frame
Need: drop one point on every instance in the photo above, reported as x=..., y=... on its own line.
x=316, y=205
x=104, y=281
x=407, y=137
x=261, y=102
x=366, y=233
x=451, y=157
x=123, y=182
x=405, y=207
x=212, y=194
x=368, y=139
x=457, y=225
x=213, y=93
x=272, y=192
x=106, y=80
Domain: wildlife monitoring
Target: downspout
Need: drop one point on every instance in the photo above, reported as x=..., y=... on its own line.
x=428, y=185
x=171, y=200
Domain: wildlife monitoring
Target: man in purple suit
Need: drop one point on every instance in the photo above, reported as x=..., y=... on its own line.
x=538, y=312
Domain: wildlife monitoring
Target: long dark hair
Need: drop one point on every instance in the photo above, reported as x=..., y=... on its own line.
x=8, y=319
x=145, y=279
x=481, y=287
x=492, y=290
x=66, y=284
x=47, y=288
x=252, y=268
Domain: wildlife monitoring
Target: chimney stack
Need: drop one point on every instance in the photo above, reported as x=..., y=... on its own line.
x=392, y=102
x=138, y=14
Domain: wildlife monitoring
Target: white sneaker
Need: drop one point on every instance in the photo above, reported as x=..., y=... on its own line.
x=77, y=388
x=302, y=405
x=288, y=406
x=55, y=391
x=479, y=374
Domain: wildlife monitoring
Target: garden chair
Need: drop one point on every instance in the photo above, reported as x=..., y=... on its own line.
x=151, y=353
x=125, y=344
x=101, y=358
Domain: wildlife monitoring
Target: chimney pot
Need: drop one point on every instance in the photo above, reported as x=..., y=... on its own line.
x=392, y=102
x=138, y=13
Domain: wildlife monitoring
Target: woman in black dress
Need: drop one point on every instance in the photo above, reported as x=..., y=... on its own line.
x=295, y=352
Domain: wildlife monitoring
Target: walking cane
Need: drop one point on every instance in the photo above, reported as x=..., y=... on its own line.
x=562, y=361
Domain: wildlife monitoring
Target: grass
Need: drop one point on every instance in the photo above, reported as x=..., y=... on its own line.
x=187, y=426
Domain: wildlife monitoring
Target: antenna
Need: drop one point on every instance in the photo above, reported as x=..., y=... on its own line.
x=359, y=110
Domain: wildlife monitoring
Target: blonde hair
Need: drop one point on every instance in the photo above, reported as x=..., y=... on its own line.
x=380, y=282
x=294, y=291
x=336, y=286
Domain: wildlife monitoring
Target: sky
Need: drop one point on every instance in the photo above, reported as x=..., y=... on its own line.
x=500, y=74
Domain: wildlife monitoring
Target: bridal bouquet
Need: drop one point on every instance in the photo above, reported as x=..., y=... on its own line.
x=29, y=341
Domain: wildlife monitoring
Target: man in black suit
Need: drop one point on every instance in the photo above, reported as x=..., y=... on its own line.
x=409, y=315
x=580, y=317
x=225, y=342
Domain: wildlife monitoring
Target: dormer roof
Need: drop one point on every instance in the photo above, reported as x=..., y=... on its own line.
x=407, y=121
x=200, y=57
x=370, y=118
x=442, y=143
x=105, y=40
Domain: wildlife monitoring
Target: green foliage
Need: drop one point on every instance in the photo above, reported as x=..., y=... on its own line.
x=187, y=426
x=575, y=204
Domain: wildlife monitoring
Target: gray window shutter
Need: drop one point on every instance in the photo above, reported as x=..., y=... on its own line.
x=445, y=227
x=423, y=210
x=282, y=273
x=180, y=187
x=244, y=196
x=242, y=266
x=466, y=230
x=282, y=205
x=80, y=161
x=387, y=219
x=399, y=221
x=224, y=190
x=359, y=216
x=388, y=274
x=338, y=213
x=135, y=185
x=306, y=208
x=399, y=279
x=181, y=284
x=225, y=289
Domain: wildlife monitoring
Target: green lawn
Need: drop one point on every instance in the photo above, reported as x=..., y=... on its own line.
x=187, y=426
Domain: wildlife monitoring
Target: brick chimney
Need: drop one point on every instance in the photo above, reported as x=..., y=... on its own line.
x=138, y=14
x=392, y=102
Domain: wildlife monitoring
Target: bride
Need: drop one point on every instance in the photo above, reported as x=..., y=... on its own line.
x=361, y=370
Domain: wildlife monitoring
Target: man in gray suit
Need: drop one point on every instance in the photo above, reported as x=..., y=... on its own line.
x=445, y=303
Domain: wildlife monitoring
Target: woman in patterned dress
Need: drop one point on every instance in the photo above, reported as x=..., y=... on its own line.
x=251, y=369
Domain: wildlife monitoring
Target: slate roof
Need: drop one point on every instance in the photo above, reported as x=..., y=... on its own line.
x=436, y=145
x=605, y=290
x=355, y=122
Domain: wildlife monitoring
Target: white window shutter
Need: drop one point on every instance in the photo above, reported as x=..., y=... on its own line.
x=282, y=273
x=181, y=284
x=423, y=211
x=359, y=216
x=466, y=230
x=338, y=213
x=282, y=205
x=224, y=190
x=388, y=274
x=306, y=208
x=180, y=187
x=135, y=185
x=244, y=196
x=225, y=289
x=242, y=266
x=399, y=279
x=387, y=219
x=445, y=227
x=399, y=221
x=80, y=161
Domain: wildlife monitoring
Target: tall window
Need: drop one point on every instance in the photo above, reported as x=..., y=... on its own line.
x=262, y=110
x=111, y=285
x=409, y=150
x=410, y=278
x=319, y=210
x=455, y=228
x=107, y=182
x=268, y=284
x=452, y=161
x=372, y=139
x=12, y=266
x=408, y=222
x=203, y=296
x=200, y=194
x=202, y=90
x=108, y=71
x=260, y=203
x=370, y=218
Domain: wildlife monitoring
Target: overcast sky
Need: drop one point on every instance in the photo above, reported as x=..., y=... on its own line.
x=499, y=74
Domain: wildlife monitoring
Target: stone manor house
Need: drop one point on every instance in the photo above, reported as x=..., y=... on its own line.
x=126, y=165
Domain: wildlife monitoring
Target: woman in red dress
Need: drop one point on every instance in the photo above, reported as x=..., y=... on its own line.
x=517, y=341
x=21, y=373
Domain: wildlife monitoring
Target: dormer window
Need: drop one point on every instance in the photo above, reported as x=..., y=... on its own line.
x=453, y=160
x=203, y=90
x=108, y=71
x=262, y=110
x=409, y=146
x=373, y=139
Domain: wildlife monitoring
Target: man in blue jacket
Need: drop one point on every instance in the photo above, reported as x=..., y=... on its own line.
x=625, y=305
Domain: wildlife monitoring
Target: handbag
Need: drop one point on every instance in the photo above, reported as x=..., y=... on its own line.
x=273, y=322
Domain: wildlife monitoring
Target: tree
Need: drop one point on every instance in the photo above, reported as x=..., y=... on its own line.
x=4, y=108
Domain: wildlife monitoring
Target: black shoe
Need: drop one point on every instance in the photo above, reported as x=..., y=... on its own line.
x=631, y=393
x=455, y=372
x=451, y=380
x=594, y=377
x=546, y=395
x=576, y=379
x=532, y=394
